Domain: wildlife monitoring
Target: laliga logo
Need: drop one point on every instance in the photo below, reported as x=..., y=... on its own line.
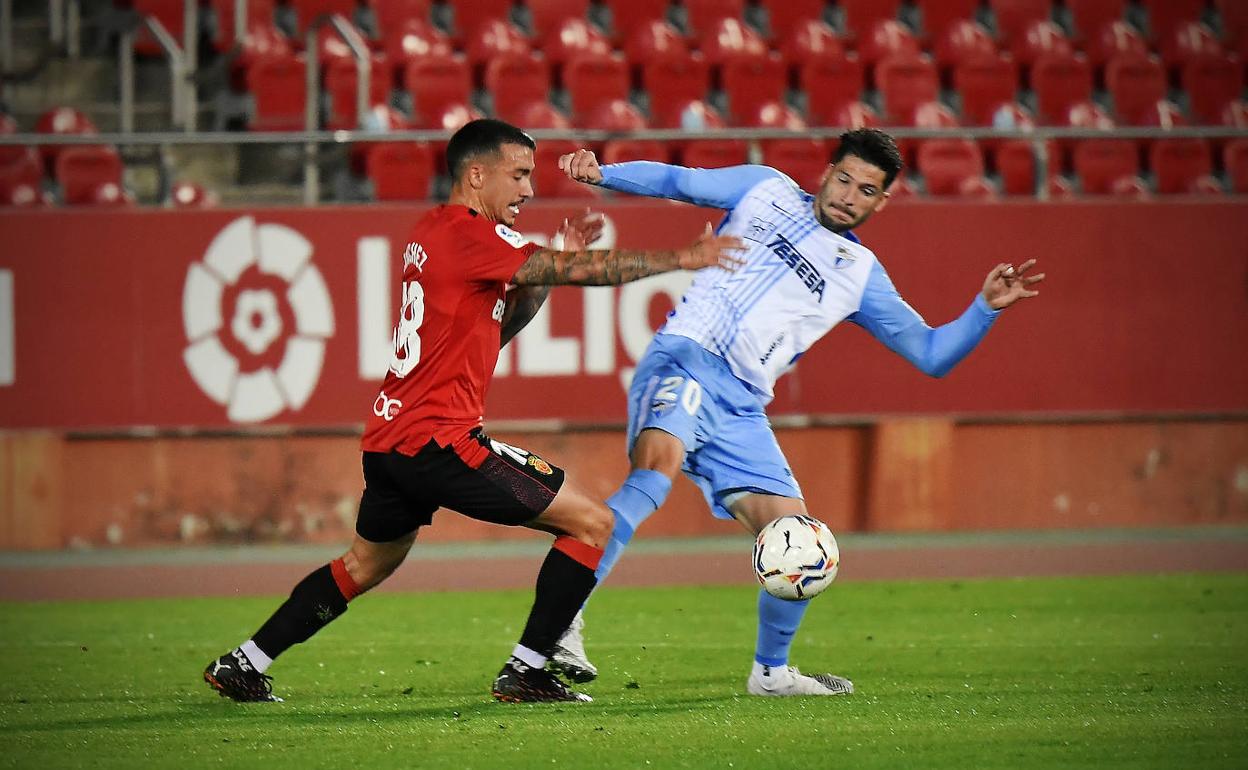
x=257, y=314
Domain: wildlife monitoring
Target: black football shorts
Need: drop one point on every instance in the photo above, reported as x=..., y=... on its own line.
x=477, y=476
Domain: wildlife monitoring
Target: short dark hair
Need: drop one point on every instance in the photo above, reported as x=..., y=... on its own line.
x=875, y=147
x=482, y=137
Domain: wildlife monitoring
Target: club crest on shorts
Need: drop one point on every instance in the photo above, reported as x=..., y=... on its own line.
x=540, y=465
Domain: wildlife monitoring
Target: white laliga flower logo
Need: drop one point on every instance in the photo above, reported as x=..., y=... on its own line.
x=280, y=252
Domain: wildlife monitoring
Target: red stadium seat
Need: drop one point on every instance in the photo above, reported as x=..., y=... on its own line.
x=1092, y=16
x=984, y=85
x=471, y=15
x=926, y=115
x=308, y=11
x=259, y=15
x=704, y=16
x=494, y=38
x=694, y=114
x=729, y=39
x=279, y=93
x=860, y=17
x=454, y=117
x=341, y=83
x=830, y=84
x=947, y=163
x=90, y=176
x=784, y=17
x=1162, y=114
x=1178, y=164
x=857, y=115
x=887, y=38
x=963, y=41
x=1013, y=17
x=1136, y=84
x=1235, y=115
x=1042, y=38
x=574, y=38
x=617, y=115
x=21, y=177
x=516, y=80
x=810, y=40
x=751, y=82
x=394, y=14
x=1016, y=163
x=1100, y=163
x=400, y=171
x=413, y=39
x=939, y=15
x=715, y=153
x=1165, y=15
x=672, y=83
x=655, y=40
x=172, y=16
x=61, y=121
x=540, y=114
x=1235, y=159
x=804, y=160
x=548, y=181
x=1187, y=41
x=549, y=16
x=189, y=195
x=624, y=150
x=436, y=83
x=627, y=16
x=775, y=115
x=593, y=81
x=1234, y=15
x=1116, y=39
x=382, y=119
x=906, y=82
x=1060, y=81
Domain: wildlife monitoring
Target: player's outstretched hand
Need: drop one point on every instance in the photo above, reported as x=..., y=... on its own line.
x=580, y=232
x=581, y=166
x=1006, y=284
x=711, y=250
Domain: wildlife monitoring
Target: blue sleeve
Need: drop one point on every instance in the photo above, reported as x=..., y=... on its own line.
x=719, y=188
x=934, y=351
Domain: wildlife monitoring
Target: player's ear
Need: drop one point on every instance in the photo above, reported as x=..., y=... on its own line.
x=823, y=178
x=883, y=201
x=475, y=175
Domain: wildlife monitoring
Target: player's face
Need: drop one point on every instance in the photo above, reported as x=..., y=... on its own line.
x=507, y=184
x=852, y=190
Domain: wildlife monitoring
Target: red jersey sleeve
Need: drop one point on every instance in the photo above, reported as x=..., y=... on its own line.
x=495, y=252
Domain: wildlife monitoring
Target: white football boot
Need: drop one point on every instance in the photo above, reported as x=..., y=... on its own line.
x=787, y=680
x=569, y=656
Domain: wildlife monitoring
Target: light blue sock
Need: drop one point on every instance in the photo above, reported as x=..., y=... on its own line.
x=778, y=620
x=640, y=495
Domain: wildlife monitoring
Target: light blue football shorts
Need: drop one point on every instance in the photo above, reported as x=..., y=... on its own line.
x=684, y=389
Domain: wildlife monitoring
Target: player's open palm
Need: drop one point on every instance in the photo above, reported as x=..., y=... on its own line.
x=581, y=231
x=1006, y=284
x=711, y=250
x=582, y=166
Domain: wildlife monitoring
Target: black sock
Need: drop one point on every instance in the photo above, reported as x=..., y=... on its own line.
x=563, y=585
x=313, y=603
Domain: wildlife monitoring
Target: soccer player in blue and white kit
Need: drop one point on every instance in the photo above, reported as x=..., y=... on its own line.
x=697, y=398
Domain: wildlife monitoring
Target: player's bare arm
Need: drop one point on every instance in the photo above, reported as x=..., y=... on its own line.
x=1006, y=284
x=611, y=267
x=523, y=302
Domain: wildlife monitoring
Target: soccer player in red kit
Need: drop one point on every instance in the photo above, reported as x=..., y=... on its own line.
x=424, y=447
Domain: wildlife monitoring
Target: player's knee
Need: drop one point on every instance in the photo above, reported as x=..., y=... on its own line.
x=658, y=451
x=368, y=568
x=595, y=525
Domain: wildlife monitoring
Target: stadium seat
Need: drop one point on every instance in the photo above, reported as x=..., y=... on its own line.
x=90, y=176
x=804, y=160
x=1166, y=15
x=962, y=41
x=932, y=115
x=540, y=114
x=172, y=16
x=382, y=119
x=413, y=39
x=693, y=115
x=810, y=40
x=395, y=14
x=985, y=84
x=906, y=82
x=1136, y=84
x=341, y=85
x=860, y=17
x=715, y=153
x=1060, y=81
x=189, y=195
x=1178, y=164
x=1100, y=163
x=1187, y=41
x=857, y=115
x=548, y=16
x=1235, y=115
x=308, y=11
x=774, y=115
x=1015, y=161
x=672, y=83
x=494, y=38
x=886, y=39
x=1235, y=159
x=548, y=181
x=1013, y=17
x=731, y=39
x=946, y=163
x=573, y=38
x=516, y=80
x=259, y=16
x=749, y=83
x=61, y=121
x=829, y=85
x=654, y=40
x=1089, y=17
x=939, y=15
x=263, y=40
x=471, y=15
x=627, y=16
x=1116, y=39
x=592, y=81
x=454, y=117
x=704, y=16
x=21, y=177
x=624, y=150
x=1234, y=15
x=279, y=93
x=400, y=171
x=435, y=83
x=617, y=115
x=785, y=16
x=1041, y=38
x=1162, y=114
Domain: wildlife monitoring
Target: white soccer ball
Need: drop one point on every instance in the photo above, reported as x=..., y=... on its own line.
x=796, y=557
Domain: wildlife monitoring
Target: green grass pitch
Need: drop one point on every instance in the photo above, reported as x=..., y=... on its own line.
x=1109, y=672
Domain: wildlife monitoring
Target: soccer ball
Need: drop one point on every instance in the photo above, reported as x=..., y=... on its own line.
x=796, y=557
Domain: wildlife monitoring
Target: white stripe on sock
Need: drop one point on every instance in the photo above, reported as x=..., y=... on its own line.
x=256, y=656
x=531, y=658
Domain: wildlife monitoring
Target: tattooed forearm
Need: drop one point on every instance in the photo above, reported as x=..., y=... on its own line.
x=522, y=304
x=608, y=267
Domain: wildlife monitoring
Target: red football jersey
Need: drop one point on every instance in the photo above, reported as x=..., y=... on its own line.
x=455, y=271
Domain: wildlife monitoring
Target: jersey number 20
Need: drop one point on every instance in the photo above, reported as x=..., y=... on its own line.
x=407, y=332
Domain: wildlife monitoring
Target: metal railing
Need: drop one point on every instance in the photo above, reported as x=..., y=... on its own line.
x=181, y=104
x=363, y=81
